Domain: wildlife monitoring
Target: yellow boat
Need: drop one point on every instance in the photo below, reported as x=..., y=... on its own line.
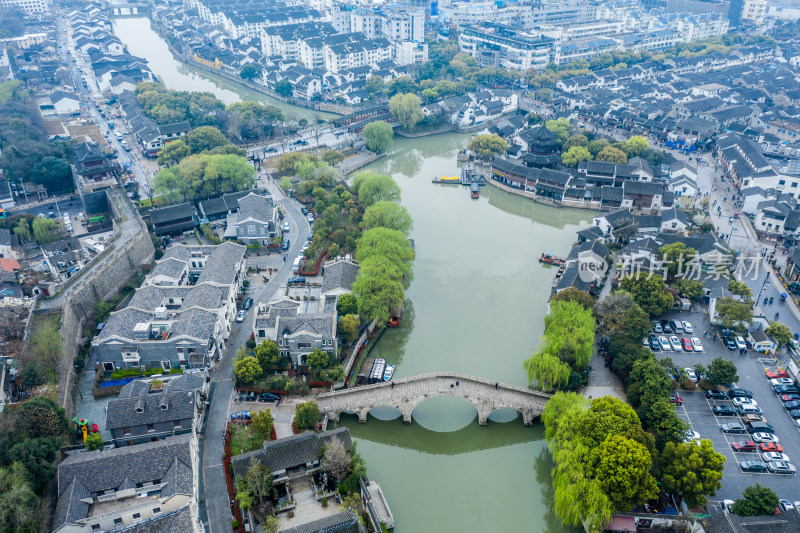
x=450, y=178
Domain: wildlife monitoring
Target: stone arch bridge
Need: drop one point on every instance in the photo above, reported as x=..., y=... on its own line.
x=487, y=396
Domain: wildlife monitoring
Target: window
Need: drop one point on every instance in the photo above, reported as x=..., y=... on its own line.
x=176, y=424
x=95, y=527
x=156, y=510
x=118, y=521
x=108, y=367
x=782, y=182
x=126, y=431
x=166, y=365
x=151, y=427
x=136, y=516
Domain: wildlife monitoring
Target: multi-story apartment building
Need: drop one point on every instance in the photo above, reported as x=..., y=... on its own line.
x=495, y=45
x=29, y=7
x=356, y=53
x=393, y=23
x=699, y=27
x=753, y=11
x=285, y=41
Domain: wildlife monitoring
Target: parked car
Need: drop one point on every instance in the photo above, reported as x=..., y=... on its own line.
x=744, y=446
x=724, y=410
x=240, y=315
x=785, y=504
x=692, y=436
x=664, y=344
x=737, y=392
x=675, y=343
x=286, y=228
x=774, y=456
x=794, y=414
x=690, y=373
x=696, y=344
x=770, y=447
x=657, y=327
x=247, y=304
x=715, y=394
x=677, y=327
x=740, y=344
x=674, y=398
x=753, y=466
x=687, y=327
x=729, y=343
x=310, y=218
x=744, y=401
x=240, y=415
x=268, y=397
x=654, y=345
x=752, y=419
x=733, y=427
x=759, y=427
x=666, y=326
x=304, y=211
x=794, y=404
x=286, y=244
x=786, y=389
x=781, y=381
x=765, y=437
x=789, y=397
x=686, y=344
x=297, y=279
x=774, y=374
x=782, y=467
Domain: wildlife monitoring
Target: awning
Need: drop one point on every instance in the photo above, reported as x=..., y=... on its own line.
x=622, y=524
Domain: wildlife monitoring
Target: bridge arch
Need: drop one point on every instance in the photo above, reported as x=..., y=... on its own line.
x=407, y=393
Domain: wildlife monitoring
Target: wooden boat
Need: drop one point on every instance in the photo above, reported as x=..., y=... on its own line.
x=551, y=259
x=475, y=192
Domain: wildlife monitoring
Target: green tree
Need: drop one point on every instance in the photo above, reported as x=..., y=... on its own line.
x=722, y=372
x=612, y=155
x=306, y=414
x=649, y=382
x=284, y=88
x=597, y=145
x=401, y=85
x=248, y=72
x=45, y=230
x=756, y=501
x=488, y=145
x=780, y=333
x=172, y=153
x=733, y=314
x=318, y=359
x=576, y=140
x=262, y=422
x=569, y=333
x=690, y=288
x=544, y=94
x=406, y=109
x=348, y=327
x=378, y=135
x=660, y=417
x=268, y=355
x=622, y=468
x=94, y=441
x=636, y=146
x=575, y=295
x=675, y=257
x=37, y=456
x=246, y=370
x=375, y=85
x=53, y=173
x=575, y=155
x=204, y=138
x=387, y=214
x=332, y=157
x=388, y=244
x=546, y=371
x=635, y=323
x=649, y=292
x=19, y=506
x=347, y=305
x=693, y=471
x=46, y=342
x=258, y=480
x=561, y=127
x=372, y=188
x=379, y=288
x=41, y=417
x=740, y=288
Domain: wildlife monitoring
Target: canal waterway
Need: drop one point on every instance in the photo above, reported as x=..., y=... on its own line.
x=475, y=306
x=138, y=35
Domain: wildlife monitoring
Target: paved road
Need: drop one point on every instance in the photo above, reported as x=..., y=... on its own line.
x=215, y=490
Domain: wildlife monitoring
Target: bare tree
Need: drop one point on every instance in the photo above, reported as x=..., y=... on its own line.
x=336, y=460
x=258, y=480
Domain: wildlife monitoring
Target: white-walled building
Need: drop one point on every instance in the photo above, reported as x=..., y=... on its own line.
x=29, y=7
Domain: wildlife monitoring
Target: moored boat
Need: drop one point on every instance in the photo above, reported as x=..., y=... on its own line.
x=551, y=259
x=475, y=192
x=388, y=373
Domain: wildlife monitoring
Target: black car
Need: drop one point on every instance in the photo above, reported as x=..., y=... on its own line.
x=271, y=149
x=794, y=404
x=795, y=413
x=285, y=245
x=304, y=211
x=734, y=427
x=730, y=343
x=785, y=389
x=715, y=394
x=736, y=392
x=665, y=325
x=753, y=466
x=247, y=304
x=724, y=410
x=297, y=279
x=247, y=396
x=268, y=397
x=654, y=343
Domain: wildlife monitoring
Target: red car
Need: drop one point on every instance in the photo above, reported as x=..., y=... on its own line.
x=687, y=345
x=775, y=374
x=770, y=447
x=674, y=398
x=744, y=446
x=790, y=397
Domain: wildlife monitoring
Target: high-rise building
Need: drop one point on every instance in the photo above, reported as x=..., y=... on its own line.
x=29, y=7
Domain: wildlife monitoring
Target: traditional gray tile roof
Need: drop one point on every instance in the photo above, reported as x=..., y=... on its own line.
x=256, y=208
x=207, y=296
x=290, y=451
x=725, y=522
x=175, y=521
x=156, y=408
x=186, y=382
x=344, y=522
x=315, y=324
x=220, y=265
x=339, y=274
x=170, y=267
x=70, y=508
x=134, y=389
x=165, y=215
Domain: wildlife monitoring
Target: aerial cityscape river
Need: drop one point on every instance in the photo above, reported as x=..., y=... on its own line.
x=475, y=306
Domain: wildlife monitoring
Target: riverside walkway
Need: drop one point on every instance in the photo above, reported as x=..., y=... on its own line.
x=487, y=396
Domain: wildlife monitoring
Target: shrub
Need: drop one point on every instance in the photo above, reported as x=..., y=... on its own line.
x=235, y=524
x=324, y=502
x=291, y=514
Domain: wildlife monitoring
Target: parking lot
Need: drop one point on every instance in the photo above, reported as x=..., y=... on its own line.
x=697, y=411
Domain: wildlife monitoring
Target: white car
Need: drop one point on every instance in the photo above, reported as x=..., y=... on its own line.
x=310, y=218
x=687, y=327
x=690, y=373
x=662, y=340
x=774, y=456
x=696, y=344
x=740, y=343
x=745, y=401
x=728, y=505
x=765, y=437
x=781, y=381
x=240, y=315
x=286, y=227
x=692, y=436
x=676, y=344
